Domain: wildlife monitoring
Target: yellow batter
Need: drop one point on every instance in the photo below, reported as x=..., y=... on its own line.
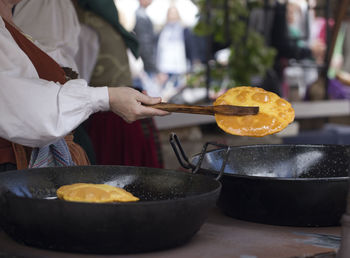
x=274, y=114
x=97, y=193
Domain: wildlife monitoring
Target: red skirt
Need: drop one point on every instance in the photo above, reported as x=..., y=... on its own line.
x=119, y=143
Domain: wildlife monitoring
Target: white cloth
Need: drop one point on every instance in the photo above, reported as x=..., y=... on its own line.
x=52, y=24
x=171, y=53
x=36, y=112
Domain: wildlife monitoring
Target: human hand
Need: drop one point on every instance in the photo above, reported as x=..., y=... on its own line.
x=127, y=103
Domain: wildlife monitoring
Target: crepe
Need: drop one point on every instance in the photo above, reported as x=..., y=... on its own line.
x=97, y=193
x=274, y=114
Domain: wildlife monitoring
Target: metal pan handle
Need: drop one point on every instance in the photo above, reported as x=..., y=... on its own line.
x=204, y=151
x=175, y=143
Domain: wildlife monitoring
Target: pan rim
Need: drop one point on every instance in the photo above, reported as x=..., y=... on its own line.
x=216, y=188
x=278, y=145
x=115, y=204
x=266, y=178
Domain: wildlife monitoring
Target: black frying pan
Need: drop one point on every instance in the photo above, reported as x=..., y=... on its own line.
x=172, y=208
x=293, y=185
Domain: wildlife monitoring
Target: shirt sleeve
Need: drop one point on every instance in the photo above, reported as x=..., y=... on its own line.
x=36, y=112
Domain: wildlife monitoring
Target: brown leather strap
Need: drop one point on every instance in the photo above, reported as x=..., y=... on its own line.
x=46, y=67
x=21, y=156
x=7, y=154
x=78, y=154
x=14, y=153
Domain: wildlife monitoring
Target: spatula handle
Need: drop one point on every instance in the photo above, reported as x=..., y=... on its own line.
x=179, y=108
x=228, y=110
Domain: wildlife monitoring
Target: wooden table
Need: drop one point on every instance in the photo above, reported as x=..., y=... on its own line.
x=220, y=236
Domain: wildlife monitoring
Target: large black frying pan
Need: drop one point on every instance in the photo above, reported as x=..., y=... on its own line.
x=290, y=185
x=172, y=208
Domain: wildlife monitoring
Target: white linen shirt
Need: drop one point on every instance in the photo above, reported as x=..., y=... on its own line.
x=54, y=26
x=35, y=112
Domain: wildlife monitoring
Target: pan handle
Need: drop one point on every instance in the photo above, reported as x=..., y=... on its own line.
x=204, y=151
x=175, y=143
x=222, y=169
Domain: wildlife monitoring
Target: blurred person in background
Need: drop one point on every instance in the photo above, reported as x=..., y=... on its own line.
x=171, y=48
x=289, y=39
x=146, y=37
x=297, y=15
x=115, y=141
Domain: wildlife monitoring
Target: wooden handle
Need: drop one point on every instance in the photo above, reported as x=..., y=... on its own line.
x=178, y=108
x=207, y=110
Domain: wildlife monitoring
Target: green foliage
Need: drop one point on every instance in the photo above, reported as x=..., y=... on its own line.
x=253, y=59
x=250, y=56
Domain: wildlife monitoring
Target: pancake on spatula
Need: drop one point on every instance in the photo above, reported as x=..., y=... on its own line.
x=274, y=114
x=97, y=193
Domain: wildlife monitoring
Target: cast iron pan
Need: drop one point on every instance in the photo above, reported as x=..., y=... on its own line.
x=288, y=185
x=172, y=208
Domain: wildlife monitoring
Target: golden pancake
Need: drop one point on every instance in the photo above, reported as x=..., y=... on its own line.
x=274, y=114
x=97, y=193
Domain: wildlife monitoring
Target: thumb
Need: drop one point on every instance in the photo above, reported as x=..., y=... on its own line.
x=149, y=100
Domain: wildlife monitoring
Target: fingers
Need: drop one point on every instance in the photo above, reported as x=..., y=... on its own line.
x=127, y=103
x=149, y=111
x=143, y=112
x=148, y=100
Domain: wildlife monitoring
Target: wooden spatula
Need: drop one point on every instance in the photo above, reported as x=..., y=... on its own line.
x=207, y=110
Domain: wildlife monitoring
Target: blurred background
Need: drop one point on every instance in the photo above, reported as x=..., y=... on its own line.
x=297, y=49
